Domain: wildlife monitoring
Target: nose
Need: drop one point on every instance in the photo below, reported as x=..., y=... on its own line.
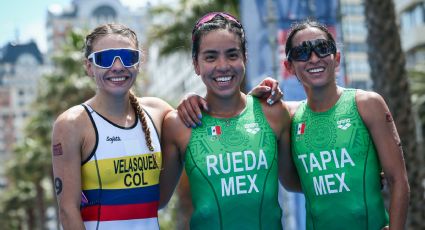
x=222, y=63
x=117, y=64
x=314, y=57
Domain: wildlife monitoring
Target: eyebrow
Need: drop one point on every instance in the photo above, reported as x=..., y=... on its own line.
x=212, y=51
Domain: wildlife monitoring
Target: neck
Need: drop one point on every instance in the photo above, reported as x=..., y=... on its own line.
x=113, y=106
x=226, y=107
x=322, y=99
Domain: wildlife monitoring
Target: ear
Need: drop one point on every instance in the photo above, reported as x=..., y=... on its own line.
x=196, y=66
x=337, y=59
x=88, y=67
x=288, y=67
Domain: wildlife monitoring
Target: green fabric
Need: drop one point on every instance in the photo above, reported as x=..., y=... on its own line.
x=233, y=175
x=338, y=166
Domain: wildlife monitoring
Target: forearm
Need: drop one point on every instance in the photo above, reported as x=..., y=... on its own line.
x=71, y=219
x=400, y=194
x=290, y=180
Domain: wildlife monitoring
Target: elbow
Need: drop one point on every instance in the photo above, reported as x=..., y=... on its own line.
x=69, y=216
x=163, y=201
x=64, y=215
x=400, y=186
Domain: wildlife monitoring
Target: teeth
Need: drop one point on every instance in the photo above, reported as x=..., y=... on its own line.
x=316, y=70
x=115, y=79
x=222, y=79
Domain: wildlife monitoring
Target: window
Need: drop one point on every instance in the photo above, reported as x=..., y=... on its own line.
x=352, y=9
x=413, y=17
x=356, y=47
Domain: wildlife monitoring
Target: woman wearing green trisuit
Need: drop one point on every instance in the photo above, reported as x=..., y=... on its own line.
x=341, y=140
x=234, y=158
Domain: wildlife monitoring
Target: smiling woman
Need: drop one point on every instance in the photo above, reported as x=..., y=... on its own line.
x=341, y=141
x=106, y=151
x=232, y=159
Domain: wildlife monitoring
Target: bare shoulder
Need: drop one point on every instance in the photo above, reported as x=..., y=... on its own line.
x=73, y=118
x=292, y=106
x=155, y=103
x=157, y=109
x=175, y=131
x=71, y=130
x=172, y=122
x=371, y=105
x=369, y=101
x=367, y=97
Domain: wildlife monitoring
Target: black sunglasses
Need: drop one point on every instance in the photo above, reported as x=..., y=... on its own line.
x=321, y=48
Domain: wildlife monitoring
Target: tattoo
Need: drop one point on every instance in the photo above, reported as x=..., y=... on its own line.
x=58, y=185
x=57, y=150
x=388, y=117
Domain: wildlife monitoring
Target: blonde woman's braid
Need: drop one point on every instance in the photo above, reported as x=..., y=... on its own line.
x=141, y=115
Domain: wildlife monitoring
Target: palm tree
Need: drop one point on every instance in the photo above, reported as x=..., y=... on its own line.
x=176, y=36
x=389, y=76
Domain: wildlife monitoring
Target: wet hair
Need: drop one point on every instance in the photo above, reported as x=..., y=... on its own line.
x=298, y=26
x=107, y=29
x=216, y=23
x=123, y=30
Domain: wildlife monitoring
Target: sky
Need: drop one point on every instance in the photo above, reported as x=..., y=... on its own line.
x=26, y=19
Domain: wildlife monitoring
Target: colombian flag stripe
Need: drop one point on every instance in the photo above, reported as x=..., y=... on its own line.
x=120, y=212
x=123, y=196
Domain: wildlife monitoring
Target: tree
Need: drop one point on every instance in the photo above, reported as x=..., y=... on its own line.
x=387, y=62
x=176, y=35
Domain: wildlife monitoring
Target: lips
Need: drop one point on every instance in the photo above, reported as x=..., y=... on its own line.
x=316, y=70
x=223, y=79
x=117, y=78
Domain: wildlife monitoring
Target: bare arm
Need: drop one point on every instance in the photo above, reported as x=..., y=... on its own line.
x=66, y=159
x=378, y=119
x=279, y=119
x=190, y=106
x=175, y=137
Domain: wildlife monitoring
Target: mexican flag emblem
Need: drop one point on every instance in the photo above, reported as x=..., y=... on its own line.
x=301, y=128
x=214, y=130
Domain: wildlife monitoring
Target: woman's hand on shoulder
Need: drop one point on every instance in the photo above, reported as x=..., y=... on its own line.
x=268, y=89
x=189, y=109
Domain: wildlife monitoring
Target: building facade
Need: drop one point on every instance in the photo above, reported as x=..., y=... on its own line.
x=21, y=67
x=354, y=46
x=411, y=16
x=87, y=14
